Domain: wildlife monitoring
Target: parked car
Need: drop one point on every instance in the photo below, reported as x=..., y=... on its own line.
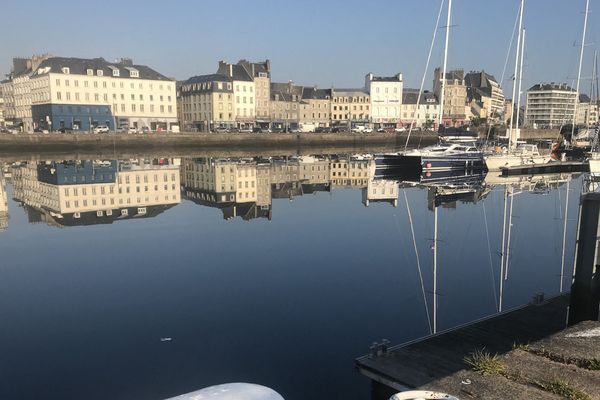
x=220, y=129
x=277, y=130
x=233, y=130
x=246, y=130
x=64, y=130
x=368, y=130
x=145, y=129
x=401, y=129
x=101, y=129
x=132, y=130
x=336, y=130
x=37, y=130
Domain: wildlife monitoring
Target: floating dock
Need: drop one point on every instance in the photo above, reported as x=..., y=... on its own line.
x=535, y=350
x=551, y=167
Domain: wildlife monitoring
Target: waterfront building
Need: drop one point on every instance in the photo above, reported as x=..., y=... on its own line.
x=484, y=95
x=587, y=111
x=315, y=106
x=79, y=94
x=16, y=91
x=261, y=74
x=550, y=105
x=1, y=107
x=455, y=96
x=350, y=107
x=285, y=105
x=3, y=204
x=95, y=192
x=243, y=93
x=207, y=102
x=385, y=99
x=427, y=114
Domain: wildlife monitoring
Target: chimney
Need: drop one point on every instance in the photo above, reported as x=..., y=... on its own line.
x=230, y=69
x=268, y=65
x=252, y=70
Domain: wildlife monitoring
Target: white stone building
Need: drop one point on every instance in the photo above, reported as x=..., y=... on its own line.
x=386, y=99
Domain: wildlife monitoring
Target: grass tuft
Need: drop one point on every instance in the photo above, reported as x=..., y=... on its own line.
x=485, y=363
x=564, y=389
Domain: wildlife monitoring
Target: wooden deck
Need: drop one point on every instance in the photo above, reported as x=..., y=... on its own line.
x=420, y=363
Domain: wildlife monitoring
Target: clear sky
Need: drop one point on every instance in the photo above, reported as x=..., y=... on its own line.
x=312, y=42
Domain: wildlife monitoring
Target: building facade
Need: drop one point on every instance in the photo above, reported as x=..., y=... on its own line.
x=426, y=116
x=385, y=99
x=244, y=93
x=484, y=96
x=550, y=105
x=79, y=94
x=285, y=105
x=207, y=102
x=315, y=107
x=261, y=74
x=455, y=96
x=350, y=107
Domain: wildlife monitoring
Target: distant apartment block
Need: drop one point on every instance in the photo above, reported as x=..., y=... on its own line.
x=386, y=99
x=550, y=105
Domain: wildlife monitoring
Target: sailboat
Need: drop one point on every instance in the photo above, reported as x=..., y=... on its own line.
x=521, y=154
x=441, y=157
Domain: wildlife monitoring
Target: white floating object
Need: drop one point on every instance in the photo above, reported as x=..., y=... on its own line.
x=422, y=395
x=165, y=339
x=232, y=391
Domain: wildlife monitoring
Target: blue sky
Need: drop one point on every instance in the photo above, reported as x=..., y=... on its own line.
x=311, y=42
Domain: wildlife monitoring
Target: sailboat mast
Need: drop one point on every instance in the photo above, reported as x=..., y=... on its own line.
x=514, y=88
x=510, y=214
x=517, y=135
x=585, y=18
x=435, y=233
x=448, y=20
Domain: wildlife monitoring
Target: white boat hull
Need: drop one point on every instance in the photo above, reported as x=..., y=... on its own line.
x=496, y=162
x=594, y=166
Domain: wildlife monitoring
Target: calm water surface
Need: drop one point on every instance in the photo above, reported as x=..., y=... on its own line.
x=274, y=271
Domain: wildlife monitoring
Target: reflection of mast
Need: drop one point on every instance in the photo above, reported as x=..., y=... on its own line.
x=435, y=235
x=562, y=263
x=502, y=250
x=512, y=196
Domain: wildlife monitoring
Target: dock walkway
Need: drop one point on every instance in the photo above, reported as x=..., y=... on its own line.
x=437, y=362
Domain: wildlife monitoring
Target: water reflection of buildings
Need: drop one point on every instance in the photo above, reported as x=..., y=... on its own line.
x=3, y=204
x=246, y=186
x=68, y=193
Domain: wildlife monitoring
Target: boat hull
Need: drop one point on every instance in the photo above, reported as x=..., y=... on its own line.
x=430, y=162
x=495, y=163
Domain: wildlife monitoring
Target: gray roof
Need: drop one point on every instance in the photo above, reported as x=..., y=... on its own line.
x=285, y=91
x=409, y=96
x=254, y=68
x=395, y=78
x=458, y=74
x=236, y=71
x=208, y=78
x=584, y=98
x=480, y=81
x=190, y=86
x=312, y=93
x=349, y=92
x=552, y=86
x=79, y=66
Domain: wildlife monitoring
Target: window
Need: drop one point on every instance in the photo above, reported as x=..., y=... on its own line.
x=65, y=70
x=90, y=71
x=58, y=96
x=99, y=72
x=58, y=82
x=133, y=108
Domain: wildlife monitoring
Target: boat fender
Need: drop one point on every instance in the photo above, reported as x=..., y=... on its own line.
x=422, y=395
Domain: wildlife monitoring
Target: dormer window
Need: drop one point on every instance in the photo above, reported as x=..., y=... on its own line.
x=115, y=70
x=134, y=74
x=90, y=71
x=65, y=70
x=99, y=72
x=262, y=74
